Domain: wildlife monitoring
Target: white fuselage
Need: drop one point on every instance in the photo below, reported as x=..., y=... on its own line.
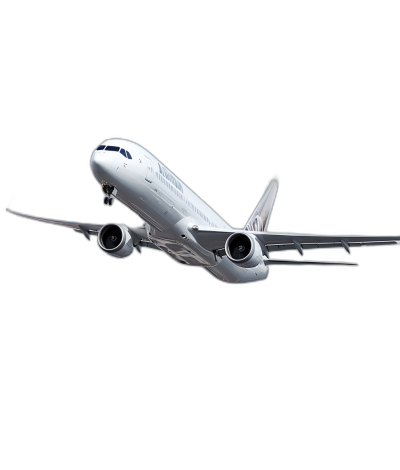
x=167, y=206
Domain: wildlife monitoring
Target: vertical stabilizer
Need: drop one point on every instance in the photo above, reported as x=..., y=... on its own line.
x=259, y=219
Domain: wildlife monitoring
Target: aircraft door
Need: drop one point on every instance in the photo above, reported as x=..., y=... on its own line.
x=150, y=171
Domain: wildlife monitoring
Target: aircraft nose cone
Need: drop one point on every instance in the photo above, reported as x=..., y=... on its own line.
x=101, y=161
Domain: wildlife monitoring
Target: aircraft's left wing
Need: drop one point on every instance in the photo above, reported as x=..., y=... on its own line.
x=214, y=239
x=138, y=233
x=299, y=242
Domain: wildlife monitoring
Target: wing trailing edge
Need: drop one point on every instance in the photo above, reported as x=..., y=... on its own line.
x=316, y=263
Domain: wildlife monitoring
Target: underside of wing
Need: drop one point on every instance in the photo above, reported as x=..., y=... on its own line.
x=75, y=225
x=215, y=239
x=138, y=234
x=282, y=242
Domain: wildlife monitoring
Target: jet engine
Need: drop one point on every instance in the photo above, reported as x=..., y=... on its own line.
x=115, y=240
x=243, y=249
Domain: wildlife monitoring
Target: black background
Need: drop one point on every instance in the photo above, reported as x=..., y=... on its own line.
x=318, y=114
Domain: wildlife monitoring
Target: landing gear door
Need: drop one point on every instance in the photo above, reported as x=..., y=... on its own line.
x=149, y=174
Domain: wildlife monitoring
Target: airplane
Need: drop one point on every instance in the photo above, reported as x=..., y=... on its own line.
x=182, y=225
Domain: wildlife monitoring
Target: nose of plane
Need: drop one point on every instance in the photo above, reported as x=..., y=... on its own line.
x=101, y=161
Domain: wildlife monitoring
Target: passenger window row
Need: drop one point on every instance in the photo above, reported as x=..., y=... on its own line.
x=184, y=199
x=112, y=148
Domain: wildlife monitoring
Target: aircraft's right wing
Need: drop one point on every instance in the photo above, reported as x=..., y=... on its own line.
x=91, y=228
x=138, y=234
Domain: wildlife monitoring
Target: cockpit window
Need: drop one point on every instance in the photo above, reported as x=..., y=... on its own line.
x=129, y=155
x=111, y=148
x=101, y=147
x=123, y=152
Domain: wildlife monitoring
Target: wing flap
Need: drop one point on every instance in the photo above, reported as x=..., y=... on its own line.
x=308, y=246
x=302, y=263
x=280, y=238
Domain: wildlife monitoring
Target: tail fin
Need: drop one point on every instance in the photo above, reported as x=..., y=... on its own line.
x=259, y=219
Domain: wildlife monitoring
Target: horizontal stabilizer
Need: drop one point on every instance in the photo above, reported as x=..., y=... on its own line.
x=287, y=261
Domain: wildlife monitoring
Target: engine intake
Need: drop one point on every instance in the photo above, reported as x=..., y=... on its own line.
x=115, y=240
x=243, y=249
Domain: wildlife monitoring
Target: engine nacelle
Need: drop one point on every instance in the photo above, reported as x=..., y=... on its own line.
x=115, y=240
x=243, y=249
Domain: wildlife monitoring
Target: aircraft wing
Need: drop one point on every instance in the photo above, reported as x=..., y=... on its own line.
x=299, y=242
x=138, y=234
x=91, y=228
x=214, y=239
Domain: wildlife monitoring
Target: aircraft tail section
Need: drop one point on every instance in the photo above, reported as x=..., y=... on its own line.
x=259, y=219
